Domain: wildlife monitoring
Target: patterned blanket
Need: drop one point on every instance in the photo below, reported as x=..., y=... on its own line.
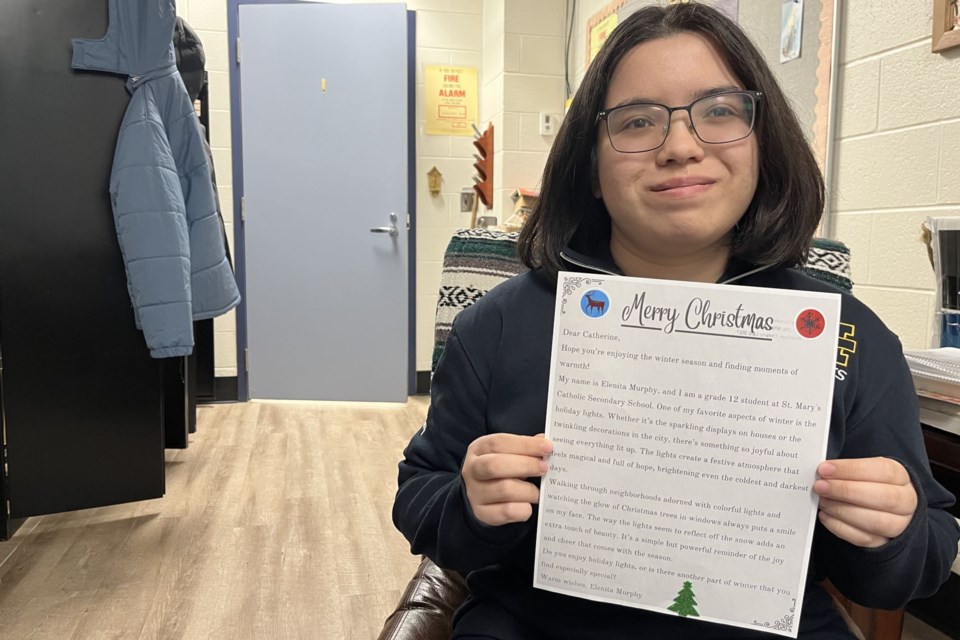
x=477, y=260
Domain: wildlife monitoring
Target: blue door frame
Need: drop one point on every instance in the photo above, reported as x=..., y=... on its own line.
x=239, y=253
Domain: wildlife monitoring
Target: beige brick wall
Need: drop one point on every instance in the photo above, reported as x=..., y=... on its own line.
x=897, y=157
x=532, y=84
x=493, y=78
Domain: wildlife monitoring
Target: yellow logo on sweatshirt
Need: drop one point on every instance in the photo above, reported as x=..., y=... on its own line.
x=846, y=347
x=847, y=344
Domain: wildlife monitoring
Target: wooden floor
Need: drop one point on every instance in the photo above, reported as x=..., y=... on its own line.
x=275, y=525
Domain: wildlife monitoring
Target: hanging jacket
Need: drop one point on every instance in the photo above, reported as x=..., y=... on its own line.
x=164, y=203
x=191, y=60
x=191, y=63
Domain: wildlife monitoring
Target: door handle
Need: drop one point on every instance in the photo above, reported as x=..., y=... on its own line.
x=392, y=229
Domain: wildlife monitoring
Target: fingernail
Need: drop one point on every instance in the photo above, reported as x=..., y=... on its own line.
x=544, y=466
x=827, y=469
x=821, y=486
x=546, y=446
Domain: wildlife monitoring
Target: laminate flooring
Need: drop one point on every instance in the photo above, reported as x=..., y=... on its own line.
x=275, y=526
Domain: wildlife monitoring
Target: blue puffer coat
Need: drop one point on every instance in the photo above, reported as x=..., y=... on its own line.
x=164, y=203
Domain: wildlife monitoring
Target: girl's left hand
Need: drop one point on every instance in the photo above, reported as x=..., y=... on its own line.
x=865, y=501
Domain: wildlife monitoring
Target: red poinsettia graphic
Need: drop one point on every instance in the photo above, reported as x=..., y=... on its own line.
x=810, y=323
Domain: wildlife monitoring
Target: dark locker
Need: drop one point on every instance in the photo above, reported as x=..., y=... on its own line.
x=81, y=397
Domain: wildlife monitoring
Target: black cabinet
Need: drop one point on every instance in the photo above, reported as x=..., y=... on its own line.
x=940, y=610
x=82, y=401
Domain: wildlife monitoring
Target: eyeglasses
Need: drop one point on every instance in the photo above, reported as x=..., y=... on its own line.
x=721, y=117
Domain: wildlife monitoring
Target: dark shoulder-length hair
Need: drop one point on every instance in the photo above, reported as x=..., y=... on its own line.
x=779, y=223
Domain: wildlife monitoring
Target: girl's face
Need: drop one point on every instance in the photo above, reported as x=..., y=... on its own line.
x=674, y=206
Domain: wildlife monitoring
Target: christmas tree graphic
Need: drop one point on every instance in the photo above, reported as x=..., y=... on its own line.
x=685, y=604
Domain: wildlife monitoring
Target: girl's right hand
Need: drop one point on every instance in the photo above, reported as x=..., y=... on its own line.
x=496, y=471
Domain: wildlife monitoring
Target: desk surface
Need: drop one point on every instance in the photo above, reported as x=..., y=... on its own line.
x=940, y=421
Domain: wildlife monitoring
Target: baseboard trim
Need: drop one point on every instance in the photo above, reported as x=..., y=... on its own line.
x=225, y=389
x=9, y=526
x=423, y=383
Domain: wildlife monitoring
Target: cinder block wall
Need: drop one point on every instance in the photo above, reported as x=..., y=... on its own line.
x=897, y=156
x=523, y=78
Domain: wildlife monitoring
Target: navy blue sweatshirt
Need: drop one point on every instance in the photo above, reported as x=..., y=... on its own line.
x=493, y=377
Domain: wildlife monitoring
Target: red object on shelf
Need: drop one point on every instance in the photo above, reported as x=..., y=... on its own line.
x=484, y=167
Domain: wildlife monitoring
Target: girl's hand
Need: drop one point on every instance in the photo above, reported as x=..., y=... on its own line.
x=865, y=501
x=495, y=472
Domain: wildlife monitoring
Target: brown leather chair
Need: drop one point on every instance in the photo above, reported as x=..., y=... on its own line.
x=425, y=610
x=871, y=624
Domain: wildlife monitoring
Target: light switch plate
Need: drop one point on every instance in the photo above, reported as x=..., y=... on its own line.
x=466, y=199
x=547, y=121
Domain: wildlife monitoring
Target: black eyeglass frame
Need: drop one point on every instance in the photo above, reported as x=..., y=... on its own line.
x=756, y=95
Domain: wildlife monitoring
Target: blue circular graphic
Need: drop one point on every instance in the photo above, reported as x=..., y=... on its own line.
x=594, y=303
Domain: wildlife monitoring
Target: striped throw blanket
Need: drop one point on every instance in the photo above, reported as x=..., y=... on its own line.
x=477, y=260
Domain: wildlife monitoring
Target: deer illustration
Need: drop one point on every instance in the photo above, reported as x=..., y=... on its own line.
x=594, y=304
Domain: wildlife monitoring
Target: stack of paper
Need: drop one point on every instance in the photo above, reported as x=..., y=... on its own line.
x=936, y=375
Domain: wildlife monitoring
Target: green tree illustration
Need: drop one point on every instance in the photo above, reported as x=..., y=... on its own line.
x=685, y=604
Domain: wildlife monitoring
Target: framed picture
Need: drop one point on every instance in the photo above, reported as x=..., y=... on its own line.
x=946, y=24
